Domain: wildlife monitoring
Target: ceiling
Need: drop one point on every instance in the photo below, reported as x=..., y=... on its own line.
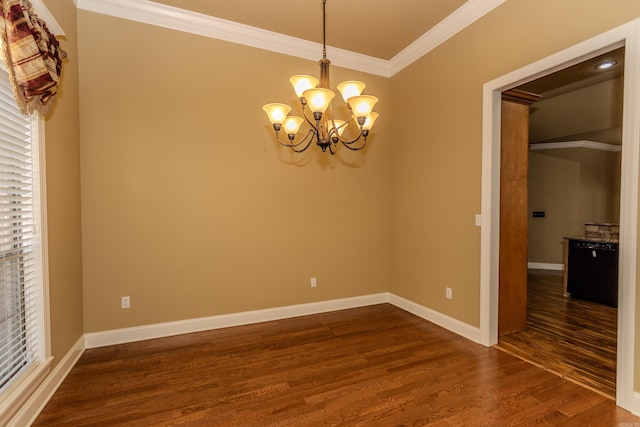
x=578, y=76
x=377, y=28
x=578, y=120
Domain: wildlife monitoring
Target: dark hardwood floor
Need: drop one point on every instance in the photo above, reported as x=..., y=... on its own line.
x=573, y=338
x=370, y=366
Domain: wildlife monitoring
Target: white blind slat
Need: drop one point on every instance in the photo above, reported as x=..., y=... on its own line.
x=19, y=264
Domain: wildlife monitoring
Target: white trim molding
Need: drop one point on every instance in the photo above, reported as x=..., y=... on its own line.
x=174, y=18
x=159, y=330
x=464, y=16
x=44, y=14
x=38, y=400
x=21, y=391
x=627, y=35
x=575, y=144
x=545, y=266
x=463, y=329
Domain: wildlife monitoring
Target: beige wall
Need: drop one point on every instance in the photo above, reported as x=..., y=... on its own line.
x=572, y=186
x=436, y=161
x=190, y=207
x=63, y=194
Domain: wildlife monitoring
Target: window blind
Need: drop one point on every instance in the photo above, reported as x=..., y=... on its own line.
x=19, y=265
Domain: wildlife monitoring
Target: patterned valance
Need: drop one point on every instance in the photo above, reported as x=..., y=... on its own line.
x=32, y=55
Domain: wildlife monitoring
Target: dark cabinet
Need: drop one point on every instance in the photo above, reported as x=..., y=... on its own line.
x=593, y=271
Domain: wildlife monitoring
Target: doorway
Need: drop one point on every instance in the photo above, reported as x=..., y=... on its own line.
x=571, y=178
x=627, y=35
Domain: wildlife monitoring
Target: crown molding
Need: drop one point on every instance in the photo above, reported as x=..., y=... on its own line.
x=161, y=15
x=575, y=144
x=173, y=18
x=464, y=16
x=47, y=17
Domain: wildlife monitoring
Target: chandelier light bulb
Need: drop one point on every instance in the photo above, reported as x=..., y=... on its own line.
x=318, y=99
x=292, y=125
x=302, y=82
x=276, y=112
x=350, y=89
x=362, y=105
x=370, y=120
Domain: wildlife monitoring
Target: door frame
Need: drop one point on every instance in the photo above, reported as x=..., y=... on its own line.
x=627, y=35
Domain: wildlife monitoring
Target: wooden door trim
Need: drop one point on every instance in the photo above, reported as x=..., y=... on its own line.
x=514, y=166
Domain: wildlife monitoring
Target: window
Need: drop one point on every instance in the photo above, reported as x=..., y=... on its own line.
x=22, y=290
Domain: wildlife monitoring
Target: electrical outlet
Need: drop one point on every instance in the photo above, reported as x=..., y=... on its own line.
x=313, y=282
x=449, y=293
x=125, y=302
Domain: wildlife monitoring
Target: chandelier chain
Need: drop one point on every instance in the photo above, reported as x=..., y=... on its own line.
x=324, y=29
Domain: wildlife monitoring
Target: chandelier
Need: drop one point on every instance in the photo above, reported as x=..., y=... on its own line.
x=315, y=100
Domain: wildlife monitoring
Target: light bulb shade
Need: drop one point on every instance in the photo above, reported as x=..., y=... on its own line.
x=318, y=99
x=337, y=127
x=276, y=112
x=368, y=123
x=362, y=105
x=301, y=83
x=350, y=88
x=292, y=125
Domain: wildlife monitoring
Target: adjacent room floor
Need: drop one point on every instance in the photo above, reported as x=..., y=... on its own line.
x=573, y=338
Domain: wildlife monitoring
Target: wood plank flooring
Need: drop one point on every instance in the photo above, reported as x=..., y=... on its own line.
x=369, y=366
x=573, y=338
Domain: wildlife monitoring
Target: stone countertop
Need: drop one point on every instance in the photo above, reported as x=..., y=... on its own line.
x=591, y=239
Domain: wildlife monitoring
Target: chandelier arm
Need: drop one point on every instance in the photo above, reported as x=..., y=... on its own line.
x=314, y=123
x=345, y=142
x=355, y=148
x=309, y=137
x=293, y=145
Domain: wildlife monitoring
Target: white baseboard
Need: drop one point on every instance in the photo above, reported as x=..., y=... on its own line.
x=635, y=404
x=545, y=266
x=463, y=329
x=159, y=330
x=37, y=401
